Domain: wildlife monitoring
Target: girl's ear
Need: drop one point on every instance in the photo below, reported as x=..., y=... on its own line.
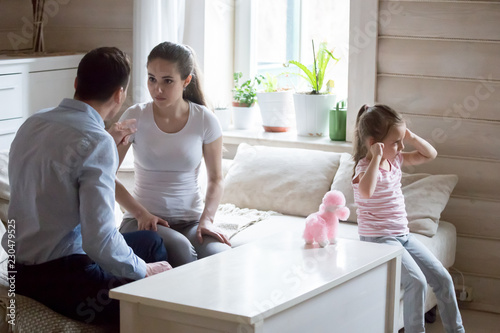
x=371, y=140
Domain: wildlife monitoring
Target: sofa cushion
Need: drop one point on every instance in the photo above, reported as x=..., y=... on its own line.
x=291, y=181
x=425, y=196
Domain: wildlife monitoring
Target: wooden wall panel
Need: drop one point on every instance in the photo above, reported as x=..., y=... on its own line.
x=76, y=25
x=15, y=21
x=476, y=218
x=480, y=256
x=85, y=39
x=458, y=136
x=485, y=293
x=13, y=11
x=434, y=57
x=474, y=99
x=466, y=20
x=478, y=179
x=437, y=63
x=111, y=14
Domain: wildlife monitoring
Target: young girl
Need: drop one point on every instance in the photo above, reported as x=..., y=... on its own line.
x=174, y=131
x=379, y=136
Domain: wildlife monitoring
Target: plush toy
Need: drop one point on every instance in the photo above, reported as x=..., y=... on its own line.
x=322, y=226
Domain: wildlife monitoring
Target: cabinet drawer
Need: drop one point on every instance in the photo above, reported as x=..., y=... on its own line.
x=47, y=89
x=11, y=103
x=8, y=129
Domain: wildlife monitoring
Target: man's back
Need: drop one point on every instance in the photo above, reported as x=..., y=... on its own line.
x=52, y=153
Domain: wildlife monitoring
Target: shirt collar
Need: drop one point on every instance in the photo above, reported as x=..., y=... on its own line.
x=83, y=107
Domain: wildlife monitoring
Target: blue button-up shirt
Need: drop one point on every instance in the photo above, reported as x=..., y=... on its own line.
x=62, y=167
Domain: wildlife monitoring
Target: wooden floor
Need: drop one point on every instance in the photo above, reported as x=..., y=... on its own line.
x=474, y=322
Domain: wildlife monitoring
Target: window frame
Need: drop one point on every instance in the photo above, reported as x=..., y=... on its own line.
x=363, y=41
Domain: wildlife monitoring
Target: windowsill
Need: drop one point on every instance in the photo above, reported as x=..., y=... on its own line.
x=290, y=139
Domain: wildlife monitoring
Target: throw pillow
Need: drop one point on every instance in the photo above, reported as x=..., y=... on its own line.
x=425, y=195
x=425, y=198
x=291, y=181
x=342, y=183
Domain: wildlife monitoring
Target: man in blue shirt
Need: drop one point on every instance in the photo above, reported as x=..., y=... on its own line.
x=62, y=167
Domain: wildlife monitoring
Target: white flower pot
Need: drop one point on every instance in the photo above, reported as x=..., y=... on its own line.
x=243, y=117
x=224, y=116
x=276, y=109
x=311, y=113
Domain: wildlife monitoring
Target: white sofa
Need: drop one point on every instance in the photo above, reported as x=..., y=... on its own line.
x=268, y=190
x=263, y=181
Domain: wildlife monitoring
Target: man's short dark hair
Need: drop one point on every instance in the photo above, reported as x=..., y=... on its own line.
x=101, y=72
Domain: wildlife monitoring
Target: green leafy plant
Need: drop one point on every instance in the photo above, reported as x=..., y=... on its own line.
x=270, y=83
x=316, y=76
x=246, y=93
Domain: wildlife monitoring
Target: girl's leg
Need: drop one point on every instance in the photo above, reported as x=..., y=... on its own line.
x=179, y=249
x=441, y=283
x=414, y=285
x=209, y=246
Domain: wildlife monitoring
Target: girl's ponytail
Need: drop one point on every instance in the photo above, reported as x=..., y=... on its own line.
x=359, y=150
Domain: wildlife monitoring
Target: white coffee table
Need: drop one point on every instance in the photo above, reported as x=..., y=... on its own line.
x=277, y=284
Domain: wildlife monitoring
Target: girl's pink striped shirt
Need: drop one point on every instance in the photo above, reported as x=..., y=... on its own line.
x=383, y=214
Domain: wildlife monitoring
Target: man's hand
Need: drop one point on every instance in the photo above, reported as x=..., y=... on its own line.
x=121, y=131
x=157, y=267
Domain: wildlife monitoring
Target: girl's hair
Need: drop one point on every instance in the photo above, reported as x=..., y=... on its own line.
x=373, y=121
x=185, y=59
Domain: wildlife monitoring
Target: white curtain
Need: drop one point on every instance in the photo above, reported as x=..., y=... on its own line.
x=155, y=21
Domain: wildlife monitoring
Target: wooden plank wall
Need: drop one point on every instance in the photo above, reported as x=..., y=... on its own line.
x=438, y=64
x=71, y=26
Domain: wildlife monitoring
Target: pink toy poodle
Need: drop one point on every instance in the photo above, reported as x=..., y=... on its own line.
x=322, y=226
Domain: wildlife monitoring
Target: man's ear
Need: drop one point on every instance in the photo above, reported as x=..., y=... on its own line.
x=119, y=95
x=76, y=83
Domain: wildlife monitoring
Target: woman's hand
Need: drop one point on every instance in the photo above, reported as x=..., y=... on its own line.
x=121, y=131
x=207, y=228
x=148, y=221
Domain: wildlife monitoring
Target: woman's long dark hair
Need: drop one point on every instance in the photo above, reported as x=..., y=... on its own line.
x=185, y=59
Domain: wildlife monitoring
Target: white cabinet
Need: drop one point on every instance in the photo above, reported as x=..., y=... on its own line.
x=31, y=84
x=48, y=88
x=12, y=106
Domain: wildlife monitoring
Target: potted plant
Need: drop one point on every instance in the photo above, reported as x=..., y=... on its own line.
x=244, y=99
x=223, y=113
x=276, y=105
x=311, y=108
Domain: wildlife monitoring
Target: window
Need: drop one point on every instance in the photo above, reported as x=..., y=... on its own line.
x=285, y=29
